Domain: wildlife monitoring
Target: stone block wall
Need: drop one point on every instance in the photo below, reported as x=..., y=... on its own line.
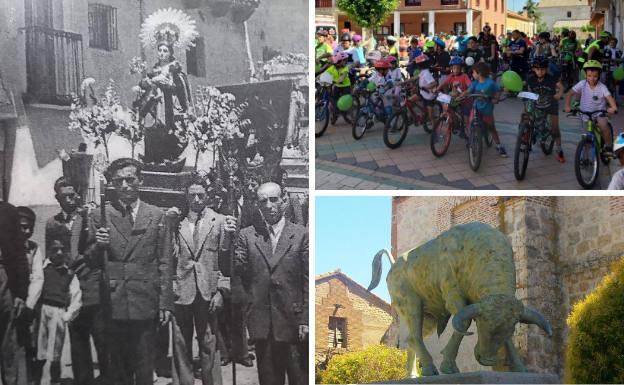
x=563, y=247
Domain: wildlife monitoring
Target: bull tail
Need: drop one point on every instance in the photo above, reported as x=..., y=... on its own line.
x=377, y=267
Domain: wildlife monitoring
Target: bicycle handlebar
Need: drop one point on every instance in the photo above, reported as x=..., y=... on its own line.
x=589, y=114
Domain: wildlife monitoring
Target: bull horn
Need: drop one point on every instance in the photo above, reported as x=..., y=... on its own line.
x=377, y=267
x=530, y=316
x=467, y=313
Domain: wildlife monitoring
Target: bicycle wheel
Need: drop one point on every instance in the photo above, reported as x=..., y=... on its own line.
x=488, y=138
x=395, y=129
x=440, y=138
x=435, y=115
x=547, y=144
x=360, y=123
x=321, y=118
x=475, y=145
x=586, y=164
x=521, y=153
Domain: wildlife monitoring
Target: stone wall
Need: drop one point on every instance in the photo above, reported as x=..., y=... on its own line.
x=563, y=246
x=367, y=317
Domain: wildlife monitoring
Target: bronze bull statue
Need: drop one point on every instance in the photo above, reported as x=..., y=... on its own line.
x=467, y=272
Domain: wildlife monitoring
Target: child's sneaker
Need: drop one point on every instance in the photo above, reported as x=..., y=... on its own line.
x=501, y=151
x=560, y=156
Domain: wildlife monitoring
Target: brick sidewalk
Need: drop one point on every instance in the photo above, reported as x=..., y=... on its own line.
x=344, y=163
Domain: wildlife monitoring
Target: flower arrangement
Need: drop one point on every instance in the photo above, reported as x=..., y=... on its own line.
x=215, y=122
x=137, y=65
x=97, y=119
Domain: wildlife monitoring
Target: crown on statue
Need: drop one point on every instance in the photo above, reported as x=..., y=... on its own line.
x=169, y=26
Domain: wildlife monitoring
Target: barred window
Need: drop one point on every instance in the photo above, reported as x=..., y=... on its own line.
x=103, y=27
x=337, y=337
x=196, y=59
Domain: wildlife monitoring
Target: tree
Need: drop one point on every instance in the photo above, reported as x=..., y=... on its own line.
x=368, y=13
x=595, y=349
x=373, y=364
x=531, y=11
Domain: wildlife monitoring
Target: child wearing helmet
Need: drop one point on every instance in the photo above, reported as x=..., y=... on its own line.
x=340, y=75
x=594, y=96
x=413, y=51
x=393, y=79
x=427, y=83
x=617, y=181
x=393, y=48
x=550, y=90
x=483, y=84
x=456, y=83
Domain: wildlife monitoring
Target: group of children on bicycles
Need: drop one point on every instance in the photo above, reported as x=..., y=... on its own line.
x=434, y=70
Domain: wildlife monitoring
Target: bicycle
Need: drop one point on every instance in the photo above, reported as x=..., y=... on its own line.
x=321, y=104
x=566, y=65
x=451, y=121
x=475, y=134
x=411, y=109
x=534, y=127
x=590, y=149
x=370, y=106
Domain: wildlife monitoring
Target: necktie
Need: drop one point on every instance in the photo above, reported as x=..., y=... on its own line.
x=196, y=234
x=129, y=214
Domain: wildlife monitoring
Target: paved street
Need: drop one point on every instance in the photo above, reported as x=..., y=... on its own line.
x=343, y=163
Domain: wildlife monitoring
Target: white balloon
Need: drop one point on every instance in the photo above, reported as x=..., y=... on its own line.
x=469, y=61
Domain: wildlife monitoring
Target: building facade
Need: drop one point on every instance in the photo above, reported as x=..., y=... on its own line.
x=571, y=14
x=563, y=247
x=415, y=17
x=50, y=46
x=347, y=316
x=520, y=22
x=607, y=15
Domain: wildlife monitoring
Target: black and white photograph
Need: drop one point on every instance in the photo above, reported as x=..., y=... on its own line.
x=154, y=196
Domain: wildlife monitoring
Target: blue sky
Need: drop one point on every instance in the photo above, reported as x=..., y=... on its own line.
x=515, y=5
x=349, y=231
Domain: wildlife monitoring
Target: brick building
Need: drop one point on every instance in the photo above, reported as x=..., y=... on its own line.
x=563, y=246
x=347, y=316
x=430, y=16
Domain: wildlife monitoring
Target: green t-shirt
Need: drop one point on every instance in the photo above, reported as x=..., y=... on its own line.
x=336, y=73
x=569, y=45
x=323, y=49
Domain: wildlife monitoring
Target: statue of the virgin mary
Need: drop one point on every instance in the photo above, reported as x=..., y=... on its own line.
x=166, y=95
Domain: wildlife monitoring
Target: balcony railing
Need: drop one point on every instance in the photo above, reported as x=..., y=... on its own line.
x=54, y=65
x=324, y=3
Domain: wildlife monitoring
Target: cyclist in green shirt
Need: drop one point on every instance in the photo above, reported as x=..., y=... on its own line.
x=340, y=75
x=323, y=51
x=393, y=48
x=568, y=48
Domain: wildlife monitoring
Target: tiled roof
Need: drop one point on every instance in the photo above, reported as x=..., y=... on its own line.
x=350, y=282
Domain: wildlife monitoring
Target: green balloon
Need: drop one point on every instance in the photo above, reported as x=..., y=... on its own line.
x=371, y=87
x=512, y=81
x=568, y=57
x=345, y=102
x=618, y=73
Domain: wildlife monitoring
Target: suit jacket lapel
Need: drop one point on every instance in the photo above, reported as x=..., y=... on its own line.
x=283, y=244
x=144, y=218
x=207, y=225
x=122, y=224
x=186, y=236
x=263, y=244
x=75, y=235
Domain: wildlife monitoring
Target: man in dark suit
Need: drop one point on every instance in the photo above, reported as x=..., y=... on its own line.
x=272, y=260
x=90, y=322
x=139, y=270
x=14, y=272
x=201, y=243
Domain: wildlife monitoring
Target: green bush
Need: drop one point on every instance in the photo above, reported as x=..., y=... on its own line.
x=375, y=363
x=595, y=350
